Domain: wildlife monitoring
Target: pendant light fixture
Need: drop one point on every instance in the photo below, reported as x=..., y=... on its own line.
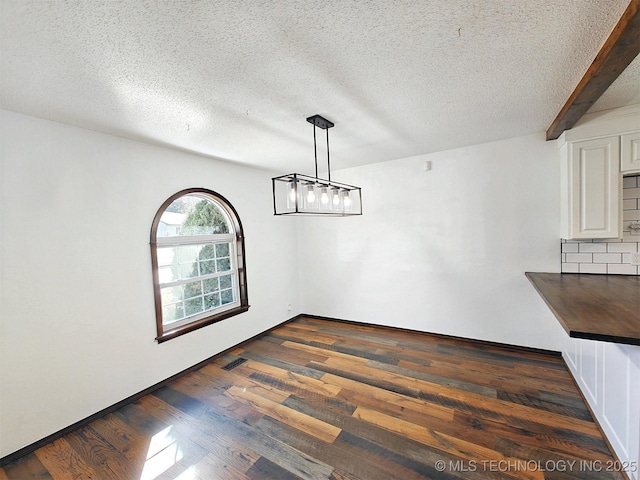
x=297, y=194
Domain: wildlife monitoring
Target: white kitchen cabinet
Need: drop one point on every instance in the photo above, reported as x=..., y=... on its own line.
x=608, y=374
x=591, y=188
x=630, y=153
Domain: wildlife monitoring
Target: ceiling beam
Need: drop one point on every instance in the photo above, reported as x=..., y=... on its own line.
x=618, y=51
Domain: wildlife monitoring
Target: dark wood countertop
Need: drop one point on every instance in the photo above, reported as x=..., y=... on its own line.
x=596, y=307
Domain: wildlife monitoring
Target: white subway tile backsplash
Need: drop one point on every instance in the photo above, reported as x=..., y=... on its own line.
x=570, y=268
x=606, y=240
x=631, y=215
x=608, y=256
x=579, y=258
x=593, y=268
x=622, y=269
x=592, y=247
x=630, y=182
x=616, y=260
x=622, y=247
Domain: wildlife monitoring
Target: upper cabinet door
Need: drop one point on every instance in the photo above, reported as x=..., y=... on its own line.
x=630, y=153
x=592, y=181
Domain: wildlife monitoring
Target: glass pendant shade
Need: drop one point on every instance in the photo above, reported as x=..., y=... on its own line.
x=346, y=200
x=310, y=198
x=292, y=191
x=324, y=196
x=335, y=196
x=292, y=197
x=297, y=194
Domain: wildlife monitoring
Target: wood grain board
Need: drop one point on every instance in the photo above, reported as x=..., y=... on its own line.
x=595, y=307
x=319, y=399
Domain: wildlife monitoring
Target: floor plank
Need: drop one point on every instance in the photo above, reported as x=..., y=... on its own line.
x=319, y=399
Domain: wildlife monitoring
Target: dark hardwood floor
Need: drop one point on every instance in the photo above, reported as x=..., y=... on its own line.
x=317, y=399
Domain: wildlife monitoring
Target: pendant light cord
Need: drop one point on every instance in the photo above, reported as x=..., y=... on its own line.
x=328, y=163
x=315, y=149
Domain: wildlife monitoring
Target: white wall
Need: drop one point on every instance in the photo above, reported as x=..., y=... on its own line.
x=77, y=320
x=445, y=250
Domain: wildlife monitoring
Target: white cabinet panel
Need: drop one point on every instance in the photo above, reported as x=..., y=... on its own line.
x=571, y=354
x=630, y=153
x=608, y=375
x=588, y=368
x=616, y=407
x=591, y=186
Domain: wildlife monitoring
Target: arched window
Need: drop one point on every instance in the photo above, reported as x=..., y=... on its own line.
x=197, y=256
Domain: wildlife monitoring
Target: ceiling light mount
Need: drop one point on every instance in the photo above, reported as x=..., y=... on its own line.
x=297, y=194
x=320, y=122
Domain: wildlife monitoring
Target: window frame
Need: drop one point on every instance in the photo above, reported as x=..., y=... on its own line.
x=167, y=332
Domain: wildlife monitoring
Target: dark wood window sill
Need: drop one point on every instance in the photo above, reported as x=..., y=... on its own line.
x=190, y=327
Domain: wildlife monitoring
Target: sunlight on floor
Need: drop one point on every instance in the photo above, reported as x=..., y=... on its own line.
x=164, y=452
x=189, y=474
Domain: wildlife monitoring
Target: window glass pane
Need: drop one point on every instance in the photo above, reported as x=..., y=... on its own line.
x=207, y=252
x=171, y=295
x=168, y=274
x=173, y=312
x=166, y=256
x=210, y=285
x=226, y=296
x=223, y=264
x=187, y=253
x=192, y=215
x=188, y=270
x=225, y=281
x=207, y=267
x=193, y=306
x=193, y=289
x=222, y=250
x=212, y=301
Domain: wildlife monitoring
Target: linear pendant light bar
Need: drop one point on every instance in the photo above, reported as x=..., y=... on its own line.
x=298, y=194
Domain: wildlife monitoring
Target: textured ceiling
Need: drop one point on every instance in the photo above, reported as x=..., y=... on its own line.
x=235, y=79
